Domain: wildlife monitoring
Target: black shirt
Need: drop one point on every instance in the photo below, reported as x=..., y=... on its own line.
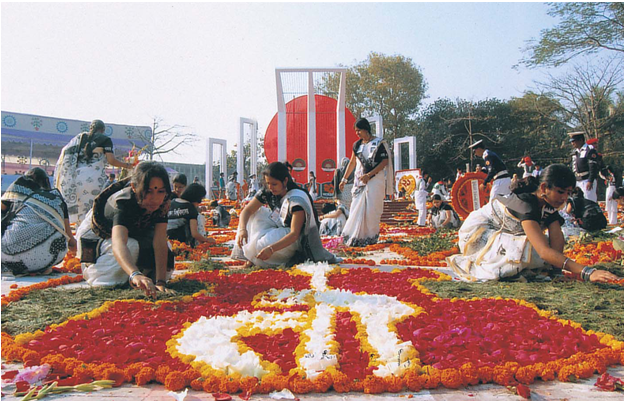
x=123, y=209
x=179, y=216
x=526, y=207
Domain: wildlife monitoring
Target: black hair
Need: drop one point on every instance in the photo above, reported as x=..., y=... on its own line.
x=436, y=197
x=312, y=172
x=194, y=193
x=96, y=127
x=279, y=171
x=214, y=203
x=111, y=175
x=618, y=193
x=143, y=174
x=363, y=123
x=328, y=207
x=39, y=177
x=555, y=175
x=180, y=179
x=578, y=193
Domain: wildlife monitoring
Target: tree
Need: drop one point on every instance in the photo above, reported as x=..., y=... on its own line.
x=391, y=86
x=591, y=97
x=541, y=128
x=166, y=138
x=527, y=126
x=446, y=129
x=584, y=28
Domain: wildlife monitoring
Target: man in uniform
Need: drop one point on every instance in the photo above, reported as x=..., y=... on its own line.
x=584, y=165
x=496, y=169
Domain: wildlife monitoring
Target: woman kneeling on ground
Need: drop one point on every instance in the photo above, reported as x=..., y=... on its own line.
x=586, y=213
x=442, y=215
x=506, y=236
x=286, y=232
x=124, y=237
x=35, y=225
x=333, y=219
x=183, y=217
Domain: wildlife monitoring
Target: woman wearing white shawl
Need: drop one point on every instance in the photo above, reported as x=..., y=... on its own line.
x=374, y=179
x=286, y=232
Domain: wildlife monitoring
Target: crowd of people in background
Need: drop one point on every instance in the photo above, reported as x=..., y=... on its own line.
x=123, y=224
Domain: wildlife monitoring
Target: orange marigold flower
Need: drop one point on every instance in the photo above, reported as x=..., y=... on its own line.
x=229, y=385
x=56, y=361
x=486, y=374
x=144, y=376
x=83, y=374
x=393, y=384
x=31, y=358
x=432, y=380
x=341, y=382
x=413, y=381
x=300, y=386
x=373, y=385
x=71, y=364
x=322, y=383
x=470, y=374
x=526, y=374
x=451, y=378
x=190, y=375
x=584, y=370
x=115, y=374
x=161, y=373
x=567, y=374
x=211, y=384
x=175, y=381
x=198, y=384
x=132, y=370
x=249, y=384
x=503, y=376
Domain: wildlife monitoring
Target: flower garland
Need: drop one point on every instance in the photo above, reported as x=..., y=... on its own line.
x=314, y=328
x=20, y=293
x=413, y=258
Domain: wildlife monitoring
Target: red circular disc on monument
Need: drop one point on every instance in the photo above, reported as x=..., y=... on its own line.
x=466, y=193
x=297, y=141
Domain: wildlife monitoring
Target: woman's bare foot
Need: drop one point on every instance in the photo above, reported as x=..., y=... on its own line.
x=248, y=265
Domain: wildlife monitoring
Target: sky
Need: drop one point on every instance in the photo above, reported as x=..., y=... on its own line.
x=205, y=65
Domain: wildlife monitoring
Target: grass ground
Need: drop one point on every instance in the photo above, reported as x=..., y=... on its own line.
x=598, y=307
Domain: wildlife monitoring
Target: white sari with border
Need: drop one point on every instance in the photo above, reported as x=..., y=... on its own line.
x=266, y=227
x=362, y=227
x=493, y=246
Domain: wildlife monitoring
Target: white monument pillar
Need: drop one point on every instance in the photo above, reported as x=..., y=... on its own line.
x=253, y=144
x=411, y=141
x=223, y=163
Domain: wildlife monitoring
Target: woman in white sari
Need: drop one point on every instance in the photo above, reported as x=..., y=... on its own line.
x=505, y=238
x=373, y=180
x=80, y=172
x=333, y=219
x=286, y=232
